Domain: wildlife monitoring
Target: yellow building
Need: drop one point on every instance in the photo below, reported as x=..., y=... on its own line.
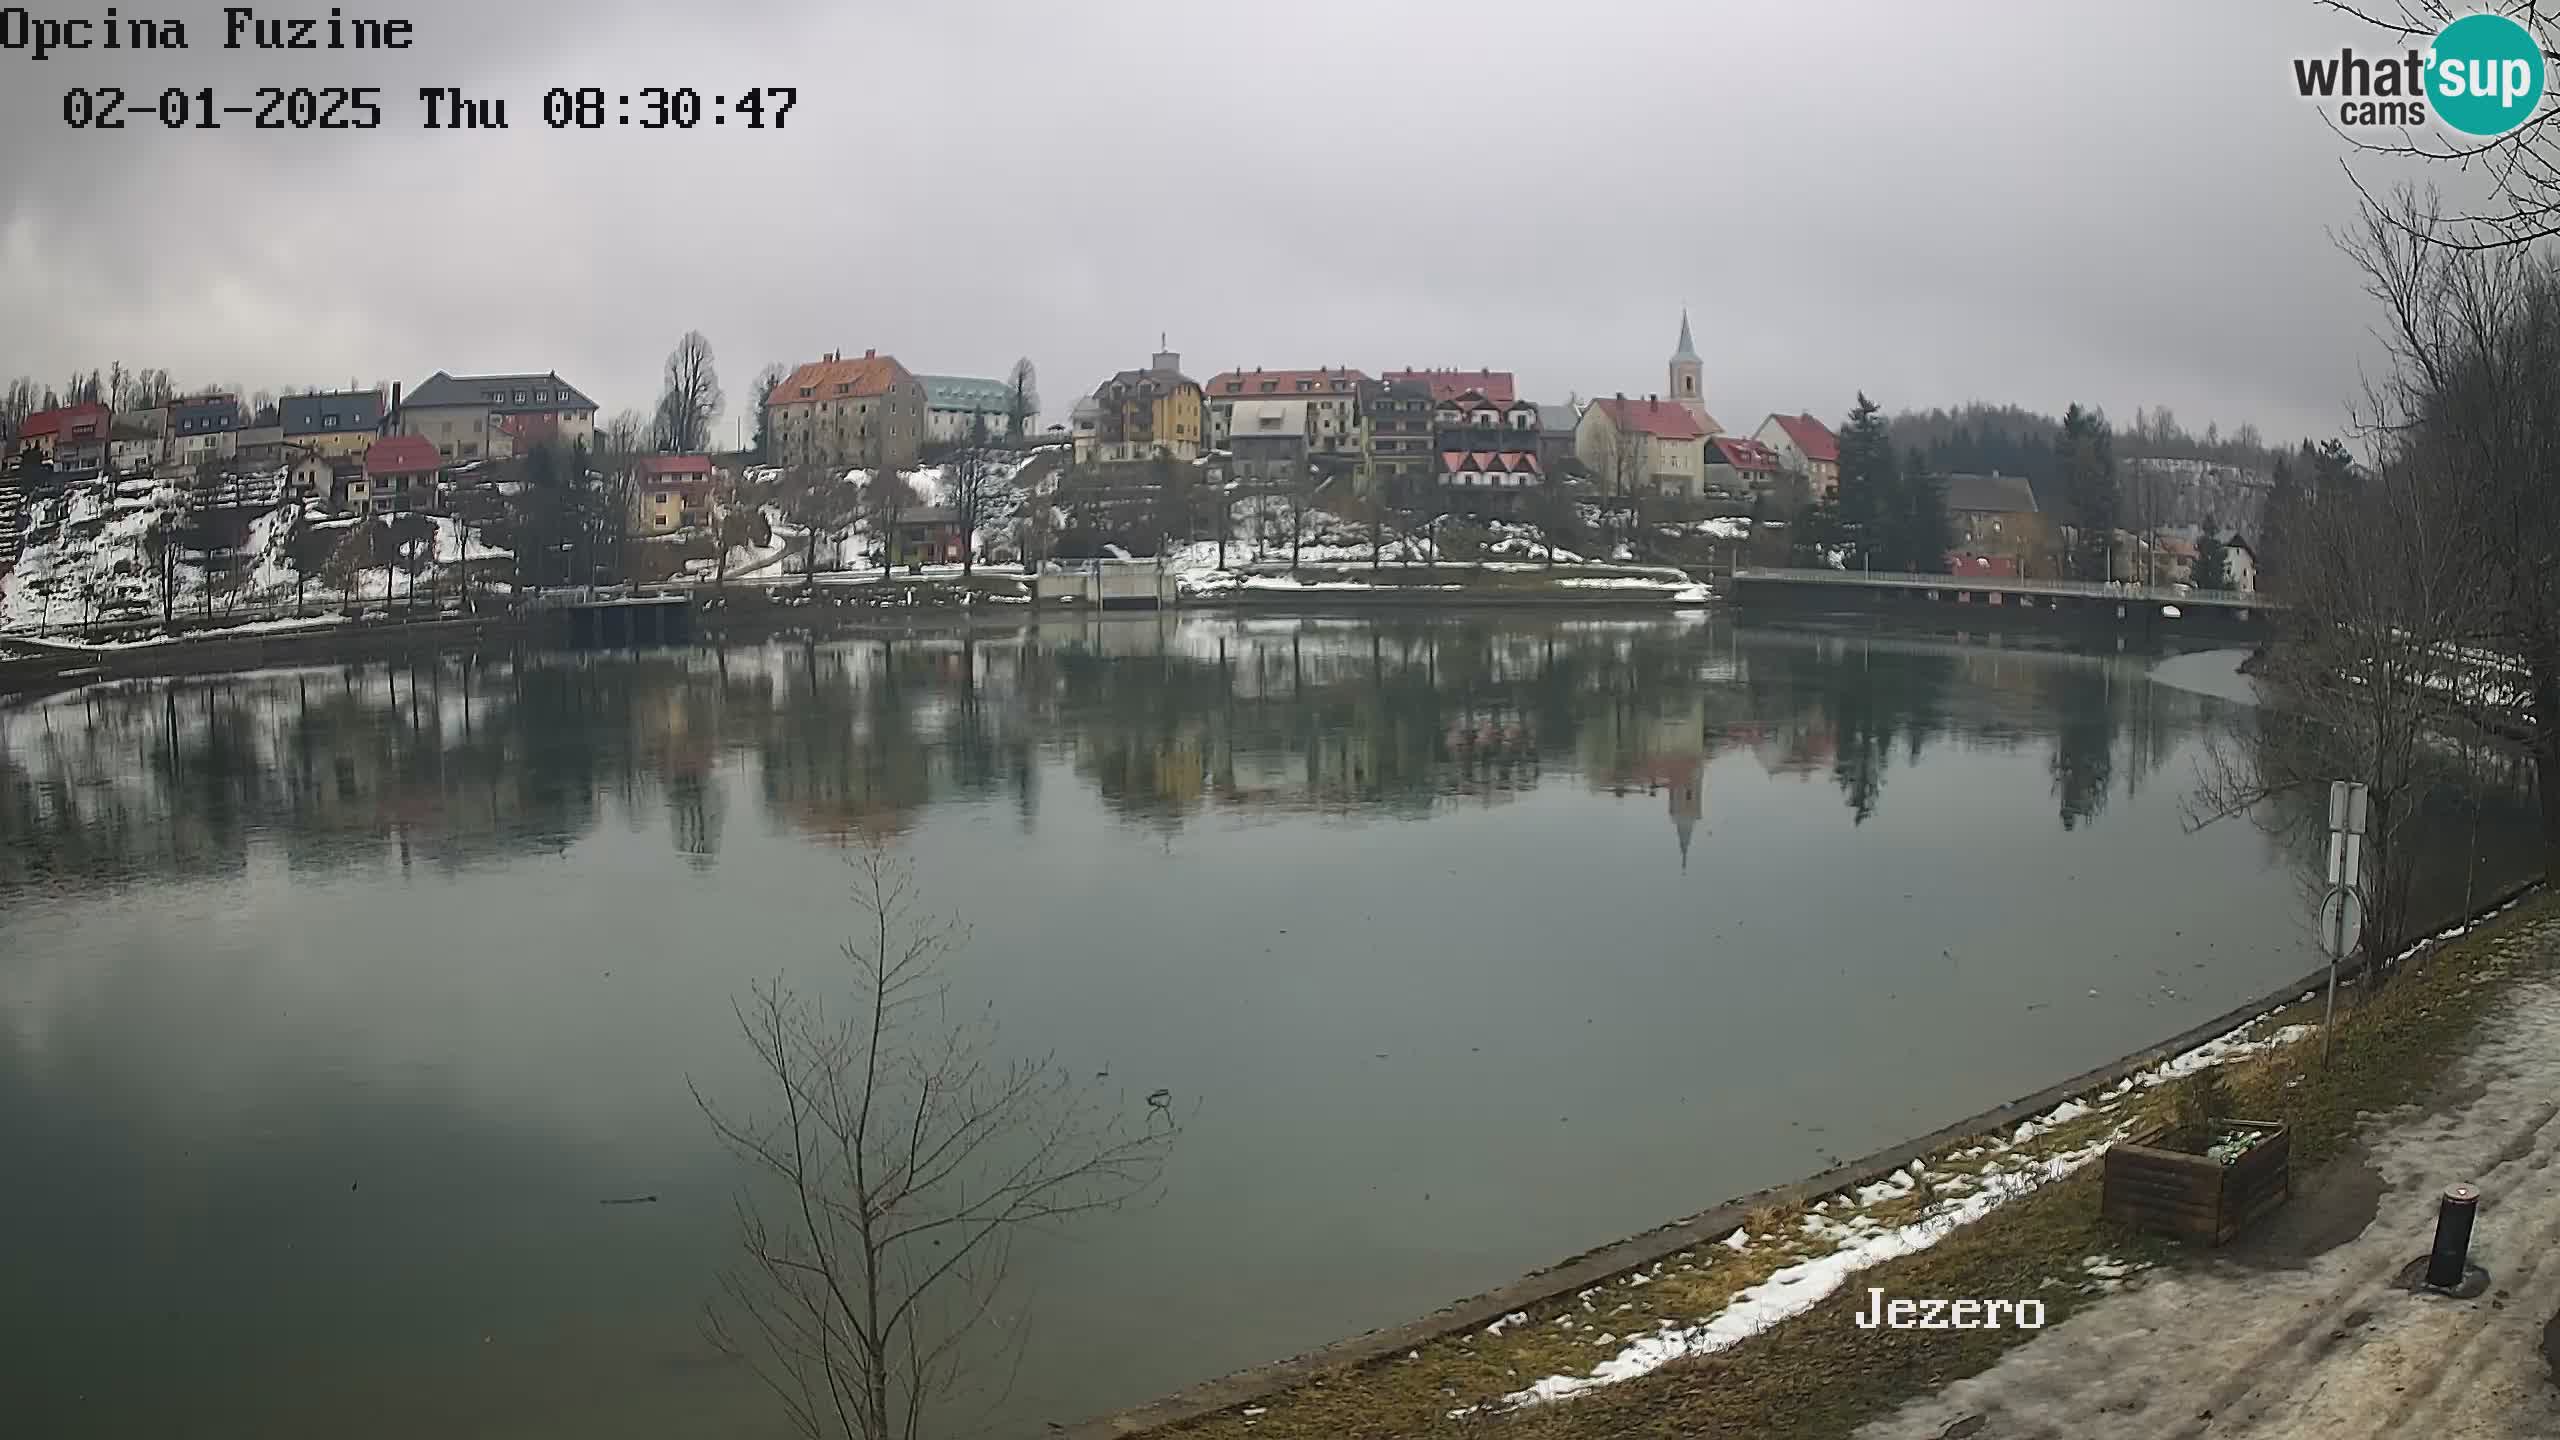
x=1140, y=414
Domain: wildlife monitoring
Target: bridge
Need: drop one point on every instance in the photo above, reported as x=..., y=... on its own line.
x=2091, y=601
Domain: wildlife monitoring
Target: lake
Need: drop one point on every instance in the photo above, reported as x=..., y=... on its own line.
x=335, y=1002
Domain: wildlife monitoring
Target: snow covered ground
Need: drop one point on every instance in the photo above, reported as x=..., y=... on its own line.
x=97, y=563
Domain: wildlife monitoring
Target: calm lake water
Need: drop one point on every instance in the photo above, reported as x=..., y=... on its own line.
x=333, y=1002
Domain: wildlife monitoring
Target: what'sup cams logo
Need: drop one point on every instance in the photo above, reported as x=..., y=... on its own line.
x=2482, y=75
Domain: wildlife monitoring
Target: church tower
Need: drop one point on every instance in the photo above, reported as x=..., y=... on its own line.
x=1688, y=374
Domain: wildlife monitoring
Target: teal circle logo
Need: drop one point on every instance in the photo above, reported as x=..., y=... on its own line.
x=2484, y=75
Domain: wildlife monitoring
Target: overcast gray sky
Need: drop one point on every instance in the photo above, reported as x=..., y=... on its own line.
x=2022, y=201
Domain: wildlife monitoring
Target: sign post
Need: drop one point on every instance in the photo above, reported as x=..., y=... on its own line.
x=2342, y=908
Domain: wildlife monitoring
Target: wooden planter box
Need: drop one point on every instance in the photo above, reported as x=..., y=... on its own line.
x=2154, y=1184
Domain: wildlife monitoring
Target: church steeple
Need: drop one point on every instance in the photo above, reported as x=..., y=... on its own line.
x=1688, y=373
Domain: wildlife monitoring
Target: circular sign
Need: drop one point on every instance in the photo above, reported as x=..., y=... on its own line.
x=2484, y=74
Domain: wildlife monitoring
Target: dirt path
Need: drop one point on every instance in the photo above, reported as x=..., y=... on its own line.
x=2301, y=1332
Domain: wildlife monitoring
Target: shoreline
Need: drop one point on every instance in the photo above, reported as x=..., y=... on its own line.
x=1222, y=1394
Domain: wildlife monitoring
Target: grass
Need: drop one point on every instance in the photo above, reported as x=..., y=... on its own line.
x=1818, y=1374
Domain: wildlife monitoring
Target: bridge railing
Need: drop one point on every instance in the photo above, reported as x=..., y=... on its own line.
x=2009, y=584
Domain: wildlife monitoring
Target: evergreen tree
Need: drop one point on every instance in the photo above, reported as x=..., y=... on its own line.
x=2088, y=466
x=2213, y=569
x=1924, y=536
x=1870, y=500
x=2281, y=518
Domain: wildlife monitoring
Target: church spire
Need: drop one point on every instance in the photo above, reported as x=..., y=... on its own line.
x=1687, y=350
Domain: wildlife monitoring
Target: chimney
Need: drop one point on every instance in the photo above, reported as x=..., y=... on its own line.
x=391, y=422
x=870, y=354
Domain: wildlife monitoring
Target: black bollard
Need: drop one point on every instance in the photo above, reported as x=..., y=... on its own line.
x=2452, y=1253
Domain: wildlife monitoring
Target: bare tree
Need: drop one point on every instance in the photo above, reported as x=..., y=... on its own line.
x=2521, y=166
x=2383, y=601
x=2474, y=337
x=972, y=482
x=896, y=1161
x=627, y=433
x=691, y=401
x=886, y=495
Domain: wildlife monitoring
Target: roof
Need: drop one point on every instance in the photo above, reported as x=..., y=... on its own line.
x=335, y=413
x=1687, y=351
x=860, y=378
x=673, y=465
x=1259, y=381
x=66, y=417
x=1662, y=419
x=1515, y=460
x=1741, y=452
x=1558, y=419
x=543, y=392
x=2237, y=541
x=1991, y=494
x=1811, y=436
x=401, y=454
x=929, y=515
x=966, y=392
x=1147, y=382
x=1496, y=384
x=1268, y=417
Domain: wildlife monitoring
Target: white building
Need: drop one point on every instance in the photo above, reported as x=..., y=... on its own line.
x=959, y=408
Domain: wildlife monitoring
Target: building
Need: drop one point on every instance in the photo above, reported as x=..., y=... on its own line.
x=1396, y=420
x=1739, y=467
x=313, y=476
x=2239, y=563
x=204, y=427
x=1688, y=376
x=1556, y=427
x=836, y=413
x=478, y=417
x=1267, y=440
x=1807, y=447
x=74, y=439
x=1493, y=384
x=261, y=441
x=670, y=492
x=930, y=535
x=1331, y=401
x=1487, y=448
x=959, y=409
x=133, y=446
x=339, y=425
x=400, y=473
x=1489, y=479
x=1141, y=414
x=1995, y=517
x=1648, y=447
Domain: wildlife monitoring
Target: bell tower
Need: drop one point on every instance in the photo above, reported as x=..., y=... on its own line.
x=1688, y=374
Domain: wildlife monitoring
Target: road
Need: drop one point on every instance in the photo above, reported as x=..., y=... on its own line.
x=2301, y=1332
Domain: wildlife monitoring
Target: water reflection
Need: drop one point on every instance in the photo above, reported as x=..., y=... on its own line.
x=461, y=760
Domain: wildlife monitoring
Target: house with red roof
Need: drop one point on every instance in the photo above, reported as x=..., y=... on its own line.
x=1739, y=466
x=1495, y=385
x=1332, y=403
x=400, y=473
x=1647, y=447
x=838, y=412
x=72, y=438
x=1806, y=446
x=670, y=492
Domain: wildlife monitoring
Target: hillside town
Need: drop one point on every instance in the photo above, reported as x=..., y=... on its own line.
x=121, y=497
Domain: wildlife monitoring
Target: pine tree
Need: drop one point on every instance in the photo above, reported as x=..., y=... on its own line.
x=1870, y=502
x=2212, y=569
x=1924, y=536
x=2088, y=466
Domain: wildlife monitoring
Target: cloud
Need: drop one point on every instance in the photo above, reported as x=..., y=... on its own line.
x=2034, y=203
